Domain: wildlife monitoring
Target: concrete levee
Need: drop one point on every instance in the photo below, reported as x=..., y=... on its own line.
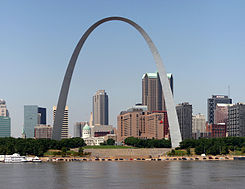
x=128, y=153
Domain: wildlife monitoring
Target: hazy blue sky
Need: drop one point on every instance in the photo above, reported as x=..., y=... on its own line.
x=201, y=42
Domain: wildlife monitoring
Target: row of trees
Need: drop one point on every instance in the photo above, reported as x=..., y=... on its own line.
x=36, y=147
x=215, y=146
x=147, y=143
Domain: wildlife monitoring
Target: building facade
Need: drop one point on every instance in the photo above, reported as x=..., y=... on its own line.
x=152, y=94
x=212, y=102
x=78, y=127
x=236, y=120
x=142, y=124
x=184, y=113
x=100, y=108
x=43, y=131
x=5, y=121
x=198, y=126
x=64, y=131
x=216, y=130
x=3, y=108
x=33, y=116
x=5, y=126
x=221, y=113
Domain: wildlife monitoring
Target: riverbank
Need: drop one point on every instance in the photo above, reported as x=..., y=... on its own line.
x=162, y=158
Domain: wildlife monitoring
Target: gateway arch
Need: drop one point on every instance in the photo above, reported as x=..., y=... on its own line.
x=170, y=106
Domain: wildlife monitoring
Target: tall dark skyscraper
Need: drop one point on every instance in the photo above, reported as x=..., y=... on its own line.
x=212, y=102
x=152, y=94
x=184, y=113
x=100, y=108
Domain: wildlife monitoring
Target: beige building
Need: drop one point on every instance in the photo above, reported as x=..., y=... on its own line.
x=100, y=108
x=198, y=126
x=64, y=131
x=141, y=124
x=43, y=131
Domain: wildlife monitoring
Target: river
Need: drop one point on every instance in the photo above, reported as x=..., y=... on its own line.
x=143, y=175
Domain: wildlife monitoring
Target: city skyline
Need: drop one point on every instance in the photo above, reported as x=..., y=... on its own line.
x=207, y=53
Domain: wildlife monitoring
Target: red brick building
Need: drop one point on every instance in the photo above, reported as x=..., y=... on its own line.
x=216, y=130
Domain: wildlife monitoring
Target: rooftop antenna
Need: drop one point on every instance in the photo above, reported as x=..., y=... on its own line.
x=229, y=91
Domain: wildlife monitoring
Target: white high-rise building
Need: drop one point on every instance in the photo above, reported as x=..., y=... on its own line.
x=198, y=124
x=3, y=108
x=64, y=131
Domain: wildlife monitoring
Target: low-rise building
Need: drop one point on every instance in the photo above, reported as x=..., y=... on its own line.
x=43, y=131
x=216, y=130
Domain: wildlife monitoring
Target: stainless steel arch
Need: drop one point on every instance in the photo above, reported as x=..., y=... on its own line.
x=172, y=116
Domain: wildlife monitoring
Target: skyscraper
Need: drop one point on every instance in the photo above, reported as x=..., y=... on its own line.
x=184, y=112
x=64, y=131
x=152, y=94
x=100, y=108
x=5, y=121
x=212, y=102
x=33, y=116
x=236, y=120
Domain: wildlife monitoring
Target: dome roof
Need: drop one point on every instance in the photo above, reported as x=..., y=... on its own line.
x=86, y=127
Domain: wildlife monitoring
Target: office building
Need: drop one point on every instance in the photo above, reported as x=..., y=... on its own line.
x=216, y=130
x=43, y=131
x=64, y=130
x=212, y=102
x=142, y=124
x=33, y=116
x=152, y=94
x=221, y=113
x=184, y=113
x=198, y=126
x=3, y=109
x=5, y=126
x=100, y=108
x=236, y=120
x=5, y=121
x=78, y=127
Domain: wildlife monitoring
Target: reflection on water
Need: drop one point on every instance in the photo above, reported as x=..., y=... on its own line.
x=179, y=174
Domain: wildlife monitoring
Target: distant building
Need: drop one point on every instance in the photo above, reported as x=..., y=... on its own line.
x=236, y=120
x=3, y=108
x=33, y=116
x=5, y=121
x=88, y=137
x=5, y=126
x=86, y=131
x=100, y=108
x=221, y=113
x=184, y=113
x=43, y=131
x=212, y=102
x=101, y=130
x=152, y=94
x=78, y=127
x=64, y=130
x=216, y=130
x=198, y=126
x=136, y=122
